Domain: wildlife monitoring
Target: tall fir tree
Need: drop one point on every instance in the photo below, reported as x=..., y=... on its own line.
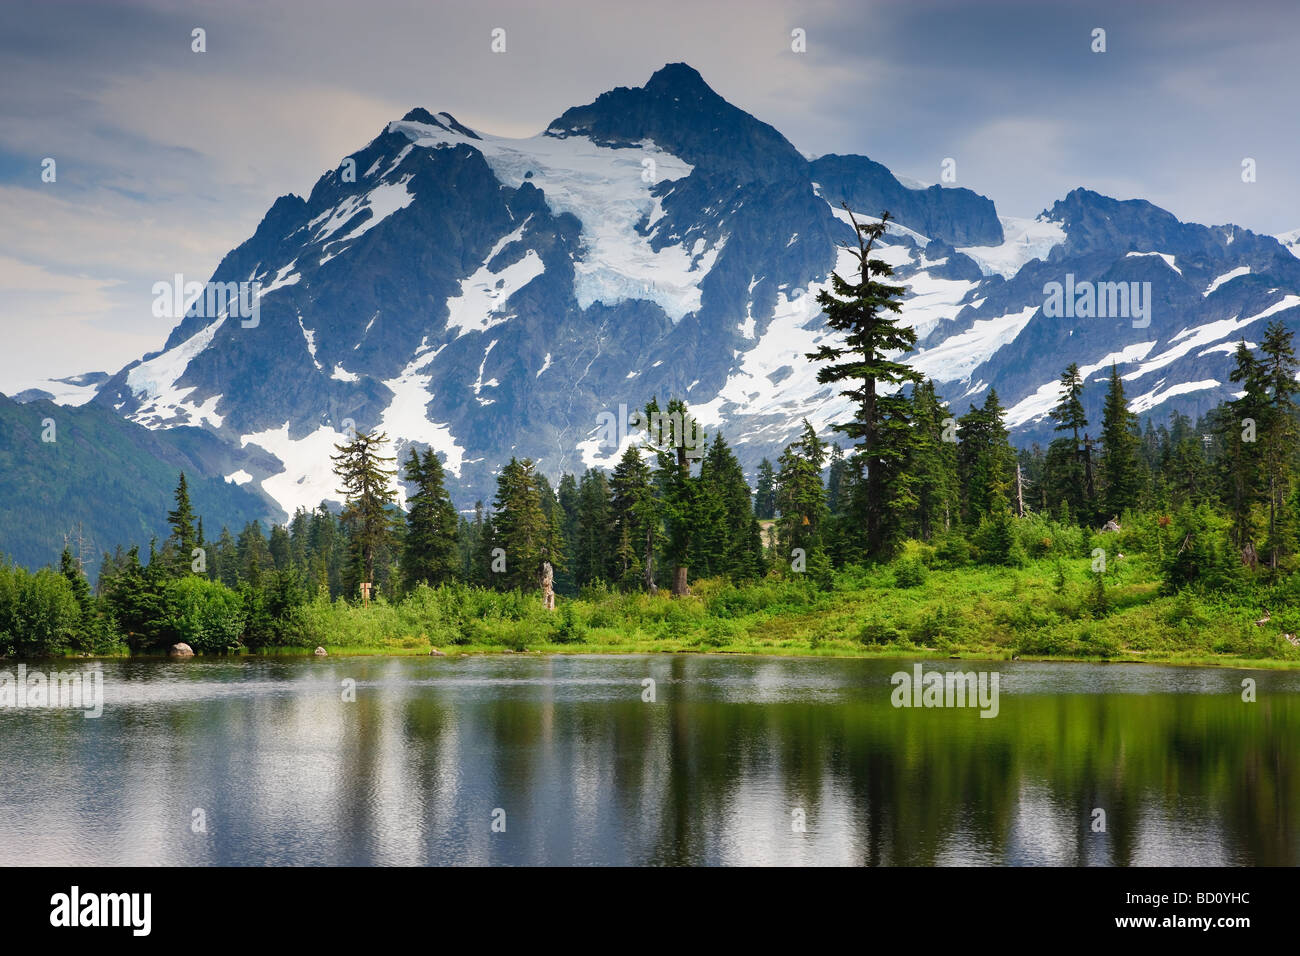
x=985, y=462
x=736, y=545
x=1121, y=465
x=429, y=551
x=592, y=548
x=675, y=438
x=1278, y=439
x=801, y=500
x=368, y=494
x=835, y=479
x=520, y=526
x=765, y=491
x=1069, y=463
x=635, y=522
x=863, y=312
x=184, y=539
x=567, y=496
x=933, y=462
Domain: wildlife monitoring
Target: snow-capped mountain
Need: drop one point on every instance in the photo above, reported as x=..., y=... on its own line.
x=491, y=297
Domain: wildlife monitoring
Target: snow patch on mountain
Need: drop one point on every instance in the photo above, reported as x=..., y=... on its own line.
x=608, y=191
x=407, y=415
x=1034, y=407
x=309, y=336
x=479, y=384
x=1226, y=277
x=1205, y=334
x=283, y=277
x=1023, y=241
x=595, y=452
x=933, y=301
x=775, y=378
x=73, y=390
x=1291, y=240
x=381, y=202
x=1227, y=348
x=957, y=356
x=1144, y=403
x=153, y=382
x=308, y=478
x=483, y=295
x=1169, y=260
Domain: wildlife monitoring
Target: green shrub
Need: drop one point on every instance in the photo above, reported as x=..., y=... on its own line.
x=874, y=632
x=719, y=632
x=1198, y=554
x=208, y=616
x=39, y=614
x=568, y=629
x=952, y=550
x=909, y=573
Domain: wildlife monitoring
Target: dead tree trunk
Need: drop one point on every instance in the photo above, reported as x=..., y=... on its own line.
x=680, y=587
x=649, y=572
x=548, y=586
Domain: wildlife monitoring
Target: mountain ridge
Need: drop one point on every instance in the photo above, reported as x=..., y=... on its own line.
x=487, y=297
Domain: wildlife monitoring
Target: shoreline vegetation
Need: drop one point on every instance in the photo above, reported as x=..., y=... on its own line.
x=929, y=536
x=1044, y=610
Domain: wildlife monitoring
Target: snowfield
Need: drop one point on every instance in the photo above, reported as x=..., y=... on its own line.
x=608, y=191
x=1023, y=240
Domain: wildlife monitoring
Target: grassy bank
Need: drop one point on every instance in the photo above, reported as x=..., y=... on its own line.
x=1045, y=609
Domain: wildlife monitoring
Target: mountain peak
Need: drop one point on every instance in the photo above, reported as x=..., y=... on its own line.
x=442, y=121
x=685, y=116
x=678, y=78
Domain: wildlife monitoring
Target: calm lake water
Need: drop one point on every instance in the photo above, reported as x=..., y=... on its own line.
x=719, y=769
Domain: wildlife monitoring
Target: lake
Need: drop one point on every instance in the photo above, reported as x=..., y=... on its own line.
x=522, y=759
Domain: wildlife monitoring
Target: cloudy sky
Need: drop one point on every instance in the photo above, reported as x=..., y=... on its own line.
x=167, y=158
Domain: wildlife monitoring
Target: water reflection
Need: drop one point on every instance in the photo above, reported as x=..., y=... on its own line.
x=716, y=770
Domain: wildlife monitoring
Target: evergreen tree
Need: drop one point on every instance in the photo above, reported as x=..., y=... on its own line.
x=861, y=311
x=429, y=552
x=985, y=462
x=70, y=568
x=725, y=518
x=1239, y=468
x=224, y=563
x=765, y=491
x=835, y=478
x=1069, y=463
x=675, y=447
x=933, y=463
x=487, y=569
x=254, y=555
x=368, y=493
x=520, y=526
x=281, y=559
x=180, y=546
x=299, y=540
x=473, y=539
x=567, y=495
x=326, y=543
x=1185, y=463
x=634, y=522
x=555, y=543
x=1121, y=448
x=593, y=531
x=801, y=499
x=1278, y=439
